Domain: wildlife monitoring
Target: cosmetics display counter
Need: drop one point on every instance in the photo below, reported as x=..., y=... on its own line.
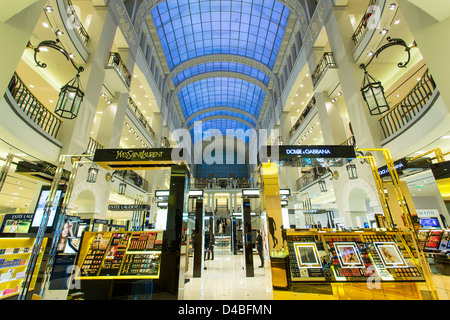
x=436, y=246
x=120, y=255
x=15, y=252
x=334, y=256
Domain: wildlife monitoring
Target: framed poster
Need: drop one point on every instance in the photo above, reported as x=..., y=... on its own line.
x=390, y=254
x=348, y=254
x=16, y=223
x=307, y=255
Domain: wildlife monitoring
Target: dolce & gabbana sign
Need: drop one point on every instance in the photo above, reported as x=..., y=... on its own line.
x=316, y=151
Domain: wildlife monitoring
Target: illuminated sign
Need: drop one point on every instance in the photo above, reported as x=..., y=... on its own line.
x=128, y=207
x=327, y=151
x=196, y=193
x=308, y=151
x=162, y=193
x=399, y=165
x=250, y=193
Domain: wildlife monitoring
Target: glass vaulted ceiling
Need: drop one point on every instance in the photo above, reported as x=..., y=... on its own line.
x=190, y=29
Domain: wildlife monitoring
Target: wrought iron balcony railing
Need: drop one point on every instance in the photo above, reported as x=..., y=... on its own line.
x=406, y=110
x=35, y=110
x=302, y=116
x=327, y=61
x=141, y=117
x=115, y=61
x=359, y=32
x=92, y=146
x=76, y=23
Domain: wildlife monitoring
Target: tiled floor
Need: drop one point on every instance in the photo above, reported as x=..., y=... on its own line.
x=225, y=279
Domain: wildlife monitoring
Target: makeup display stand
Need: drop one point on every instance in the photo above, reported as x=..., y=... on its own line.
x=362, y=264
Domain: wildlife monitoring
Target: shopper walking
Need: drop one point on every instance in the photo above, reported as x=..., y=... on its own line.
x=259, y=247
x=210, y=253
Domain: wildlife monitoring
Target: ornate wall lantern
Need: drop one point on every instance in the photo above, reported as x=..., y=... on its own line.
x=372, y=89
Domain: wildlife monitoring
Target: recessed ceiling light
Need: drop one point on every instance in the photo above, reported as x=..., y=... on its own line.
x=298, y=110
x=445, y=137
x=31, y=86
x=397, y=22
x=48, y=9
x=45, y=25
x=392, y=6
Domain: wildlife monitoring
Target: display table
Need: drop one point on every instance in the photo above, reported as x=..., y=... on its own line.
x=119, y=255
x=15, y=252
x=362, y=264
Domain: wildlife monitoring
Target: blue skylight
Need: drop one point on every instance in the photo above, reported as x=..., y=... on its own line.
x=219, y=114
x=212, y=127
x=221, y=66
x=195, y=28
x=217, y=92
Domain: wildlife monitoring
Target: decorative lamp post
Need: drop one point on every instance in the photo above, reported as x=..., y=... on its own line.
x=352, y=172
x=373, y=94
x=372, y=89
x=92, y=174
x=71, y=94
x=323, y=186
x=122, y=188
x=70, y=98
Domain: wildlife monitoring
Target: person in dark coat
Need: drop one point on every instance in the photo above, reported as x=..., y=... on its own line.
x=259, y=247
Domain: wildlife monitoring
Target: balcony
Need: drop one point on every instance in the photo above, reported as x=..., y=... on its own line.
x=117, y=78
x=92, y=146
x=32, y=108
x=142, y=124
x=325, y=76
x=407, y=111
x=309, y=176
x=349, y=142
x=372, y=29
x=304, y=118
x=27, y=124
x=74, y=36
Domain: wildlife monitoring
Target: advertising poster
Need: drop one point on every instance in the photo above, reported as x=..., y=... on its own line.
x=16, y=223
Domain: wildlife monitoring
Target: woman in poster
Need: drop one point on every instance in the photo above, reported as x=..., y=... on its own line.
x=14, y=227
x=65, y=233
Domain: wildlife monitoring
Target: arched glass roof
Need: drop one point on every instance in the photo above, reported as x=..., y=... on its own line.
x=221, y=66
x=215, y=126
x=193, y=28
x=226, y=92
x=190, y=29
x=221, y=114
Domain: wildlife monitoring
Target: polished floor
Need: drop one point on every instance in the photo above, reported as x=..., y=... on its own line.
x=225, y=279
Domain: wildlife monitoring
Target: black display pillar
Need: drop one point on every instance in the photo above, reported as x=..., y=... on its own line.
x=248, y=245
x=171, y=278
x=198, y=239
x=233, y=236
